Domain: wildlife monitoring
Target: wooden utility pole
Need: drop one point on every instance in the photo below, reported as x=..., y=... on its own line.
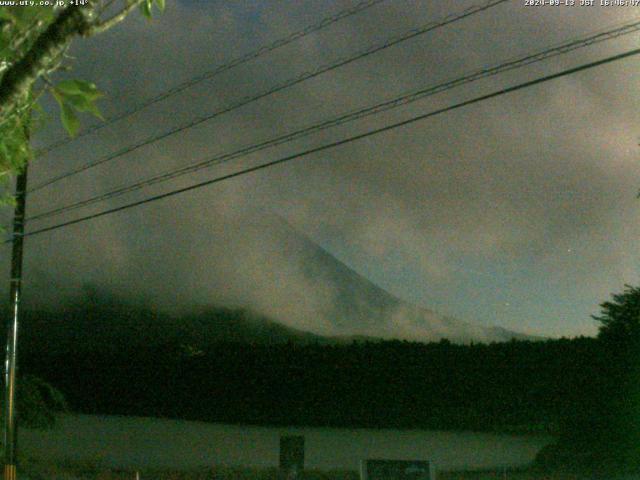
x=10, y=421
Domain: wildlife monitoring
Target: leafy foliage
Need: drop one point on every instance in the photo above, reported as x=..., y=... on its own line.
x=146, y=7
x=76, y=96
x=620, y=318
x=14, y=143
x=605, y=433
x=21, y=30
x=38, y=402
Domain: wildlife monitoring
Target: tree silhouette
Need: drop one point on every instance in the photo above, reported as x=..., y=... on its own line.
x=618, y=392
x=620, y=318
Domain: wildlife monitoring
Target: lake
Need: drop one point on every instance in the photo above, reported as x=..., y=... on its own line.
x=130, y=442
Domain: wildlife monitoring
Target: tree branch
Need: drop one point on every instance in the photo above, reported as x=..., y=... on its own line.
x=100, y=27
x=18, y=79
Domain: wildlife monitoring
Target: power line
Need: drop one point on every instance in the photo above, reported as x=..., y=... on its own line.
x=344, y=141
x=280, y=87
x=281, y=42
x=287, y=84
x=405, y=99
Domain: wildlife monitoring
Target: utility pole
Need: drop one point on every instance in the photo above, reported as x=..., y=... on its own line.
x=10, y=365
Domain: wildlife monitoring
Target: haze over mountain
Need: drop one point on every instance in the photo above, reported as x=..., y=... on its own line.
x=317, y=288
x=359, y=302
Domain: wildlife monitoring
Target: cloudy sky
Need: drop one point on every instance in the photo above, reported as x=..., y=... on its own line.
x=518, y=211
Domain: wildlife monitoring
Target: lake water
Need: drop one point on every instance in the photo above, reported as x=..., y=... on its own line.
x=130, y=442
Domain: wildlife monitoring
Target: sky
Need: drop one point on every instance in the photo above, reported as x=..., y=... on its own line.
x=519, y=211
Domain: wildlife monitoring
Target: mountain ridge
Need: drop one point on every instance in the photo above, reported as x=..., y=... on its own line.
x=360, y=301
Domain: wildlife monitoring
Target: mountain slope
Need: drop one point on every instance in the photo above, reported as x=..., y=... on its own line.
x=359, y=306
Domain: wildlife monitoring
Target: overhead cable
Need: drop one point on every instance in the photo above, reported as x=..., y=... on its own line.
x=449, y=19
x=344, y=141
x=404, y=99
x=281, y=42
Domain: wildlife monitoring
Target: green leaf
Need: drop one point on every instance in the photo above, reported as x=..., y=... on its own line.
x=79, y=87
x=160, y=4
x=145, y=8
x=67, y=115
x=82, y=104
x=95, y=111
x=79, y=95
x=69, y=119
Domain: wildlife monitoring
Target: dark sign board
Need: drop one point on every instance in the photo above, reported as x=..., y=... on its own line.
x=396, y=470
x=292, y=454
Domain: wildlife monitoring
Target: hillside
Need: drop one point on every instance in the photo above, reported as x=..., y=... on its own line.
x=351, y=303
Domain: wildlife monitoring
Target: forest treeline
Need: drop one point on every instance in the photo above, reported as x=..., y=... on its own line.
x=526, y=386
